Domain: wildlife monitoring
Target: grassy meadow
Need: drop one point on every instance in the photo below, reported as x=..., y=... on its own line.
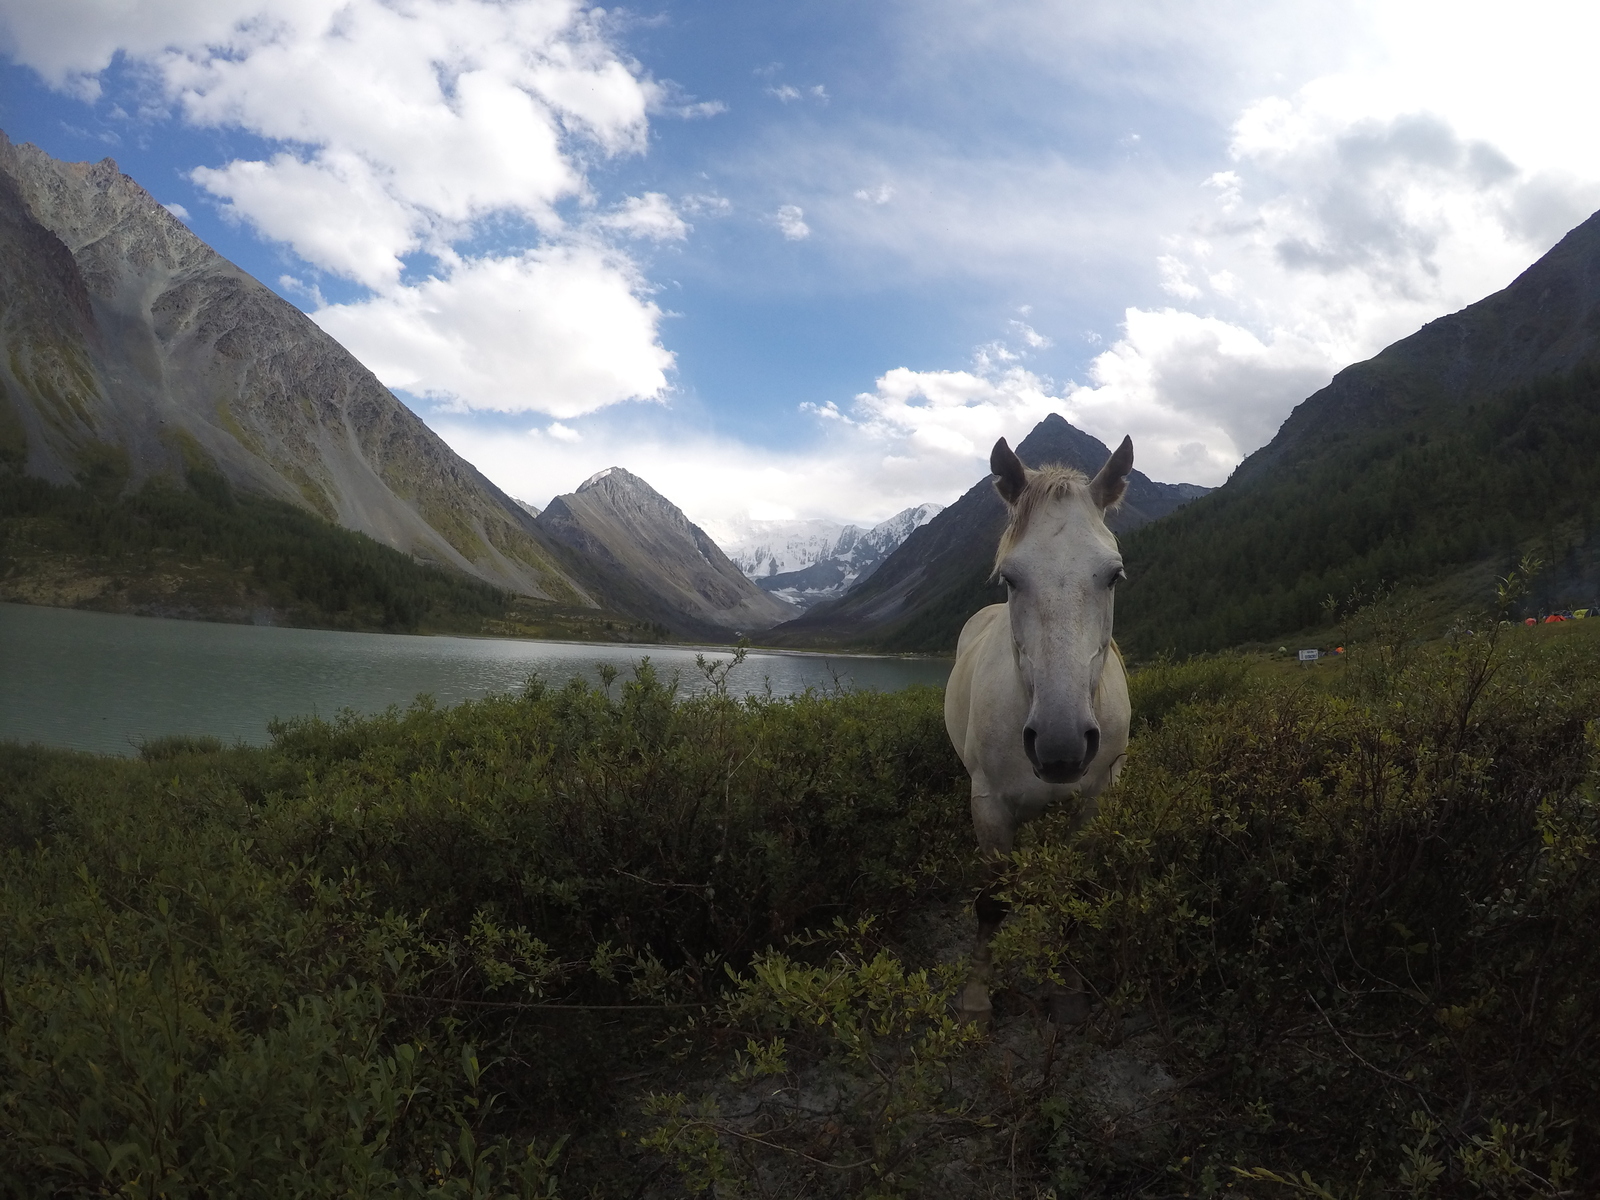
x=616, y=942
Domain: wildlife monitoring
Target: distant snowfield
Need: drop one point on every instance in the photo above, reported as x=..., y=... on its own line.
x=805, y=561
x=763, y=548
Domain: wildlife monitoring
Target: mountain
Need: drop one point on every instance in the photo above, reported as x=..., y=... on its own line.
x=817, y=562
x=131, y=347
x=1437, y=462
x=922, y=594
x=761, y=549
x=637, y=549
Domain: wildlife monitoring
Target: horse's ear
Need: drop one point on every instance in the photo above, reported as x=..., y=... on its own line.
x=1012, y=476
x=1112, y=481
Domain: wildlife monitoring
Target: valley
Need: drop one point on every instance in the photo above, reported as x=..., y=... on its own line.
x=565, y=921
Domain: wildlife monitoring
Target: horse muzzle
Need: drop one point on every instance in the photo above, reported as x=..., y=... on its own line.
x=1061, y=759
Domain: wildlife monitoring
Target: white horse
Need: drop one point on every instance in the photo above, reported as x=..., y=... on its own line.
x=1037, y=704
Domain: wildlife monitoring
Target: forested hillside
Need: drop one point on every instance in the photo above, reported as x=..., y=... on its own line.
x=1405, y=505
x=1437, y=462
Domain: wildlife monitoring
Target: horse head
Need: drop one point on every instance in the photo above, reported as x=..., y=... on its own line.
x=1060, y=565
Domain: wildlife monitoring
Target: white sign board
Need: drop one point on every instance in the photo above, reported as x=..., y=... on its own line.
x=1310, y=655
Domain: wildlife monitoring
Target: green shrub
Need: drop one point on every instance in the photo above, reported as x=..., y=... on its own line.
x=1340, y=940
x=1159, y=688
x=1364, y=930
x=1345, y=932
x=413, y=952
x=184, y=1018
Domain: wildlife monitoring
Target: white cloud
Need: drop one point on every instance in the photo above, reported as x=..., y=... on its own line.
x=1330, y=237
x=917, y=436
x=563, y=330
x=563, y=433
x=648, y=216
x=701, y=110
x=790, y=219
x=1175, y=278
x=1374, y=167
x=1343, y=174
x=69, y=42
x=720, y=482
x=706, y=204
x=1030, y=336
x=177, y=210
x=1196, y=393
x=294, y=285
x=334, y=211
x=787, y=93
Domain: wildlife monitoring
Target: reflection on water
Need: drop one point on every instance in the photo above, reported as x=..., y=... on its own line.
x=94, y=681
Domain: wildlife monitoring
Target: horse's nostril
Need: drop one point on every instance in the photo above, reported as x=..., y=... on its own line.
x=1091, y=743
x=1030, y=740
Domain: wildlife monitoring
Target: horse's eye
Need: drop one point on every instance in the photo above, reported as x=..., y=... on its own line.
x=1117, y=576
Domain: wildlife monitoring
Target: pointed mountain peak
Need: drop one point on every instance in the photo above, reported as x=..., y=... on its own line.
x=653, y=561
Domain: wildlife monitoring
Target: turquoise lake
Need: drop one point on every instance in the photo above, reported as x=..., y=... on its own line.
x=96, y=681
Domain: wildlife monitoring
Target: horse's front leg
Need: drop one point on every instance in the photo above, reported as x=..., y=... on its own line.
x=996, y=828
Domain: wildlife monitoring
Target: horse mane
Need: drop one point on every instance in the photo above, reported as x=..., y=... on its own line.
x=1044, y=485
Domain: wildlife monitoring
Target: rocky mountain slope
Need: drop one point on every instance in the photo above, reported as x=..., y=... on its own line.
x=1443, y=457
x=636, y=548
x=922, y=594
x=132, y=346
x=819, y=562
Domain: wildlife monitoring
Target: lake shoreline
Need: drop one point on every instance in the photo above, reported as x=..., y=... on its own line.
x=712, y=647
x=108, y=682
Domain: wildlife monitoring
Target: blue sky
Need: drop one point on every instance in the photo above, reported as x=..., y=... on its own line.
x=809, y=260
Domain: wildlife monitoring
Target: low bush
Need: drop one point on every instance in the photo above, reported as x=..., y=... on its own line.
x=1341, y=940
x=615, y=942
x=415, y=952
x=1159, y=688
x=1365, y=927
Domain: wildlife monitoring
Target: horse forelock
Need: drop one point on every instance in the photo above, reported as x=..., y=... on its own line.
x=1044, y=485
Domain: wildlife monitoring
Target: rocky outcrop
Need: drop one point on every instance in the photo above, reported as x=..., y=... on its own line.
x=132, y=345
x=636, y=548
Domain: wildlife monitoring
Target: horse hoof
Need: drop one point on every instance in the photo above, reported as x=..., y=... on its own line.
x=973, y=1006
x=1068, y=1009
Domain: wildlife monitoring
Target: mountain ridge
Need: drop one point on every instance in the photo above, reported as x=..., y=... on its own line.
x=818, y=568
x=124, y=329
x=651, y=562
x=1445, y=455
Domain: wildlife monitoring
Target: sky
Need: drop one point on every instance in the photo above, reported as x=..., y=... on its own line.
x=809, y=260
